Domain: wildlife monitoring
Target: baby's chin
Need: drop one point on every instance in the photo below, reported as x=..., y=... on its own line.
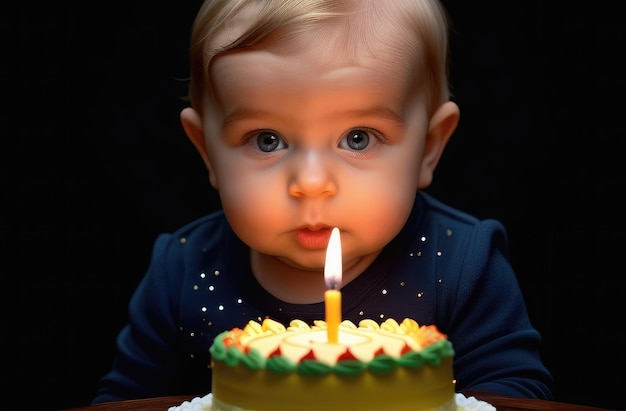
x=293, y=262
x=304, y=263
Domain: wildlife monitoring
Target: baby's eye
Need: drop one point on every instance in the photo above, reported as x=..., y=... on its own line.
x=268, y=141
x=355, y=139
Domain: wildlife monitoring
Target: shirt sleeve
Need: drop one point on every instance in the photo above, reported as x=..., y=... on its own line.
x=146, y=363
x=496, y=346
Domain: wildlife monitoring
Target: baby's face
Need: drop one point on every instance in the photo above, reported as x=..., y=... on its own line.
x=297, y=147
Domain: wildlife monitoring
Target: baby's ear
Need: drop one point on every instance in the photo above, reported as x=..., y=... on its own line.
x=441, y=126
x=192, y=124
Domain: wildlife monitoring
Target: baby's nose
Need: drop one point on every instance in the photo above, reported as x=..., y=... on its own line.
x=312, y=176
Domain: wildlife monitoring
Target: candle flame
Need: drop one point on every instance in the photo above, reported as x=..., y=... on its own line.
x=333, y=267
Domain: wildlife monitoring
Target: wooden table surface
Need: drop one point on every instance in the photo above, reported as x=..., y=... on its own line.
x=501, y=403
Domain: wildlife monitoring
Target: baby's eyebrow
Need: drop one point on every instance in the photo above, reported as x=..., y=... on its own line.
x=243, y=113
x=379, y=111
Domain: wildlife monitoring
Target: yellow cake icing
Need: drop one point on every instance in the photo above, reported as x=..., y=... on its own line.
x=387, y=366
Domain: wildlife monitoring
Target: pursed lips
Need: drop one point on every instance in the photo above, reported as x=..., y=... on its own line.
x=313, y=237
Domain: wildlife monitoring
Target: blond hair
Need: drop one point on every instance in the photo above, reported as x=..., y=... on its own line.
x=423, y=25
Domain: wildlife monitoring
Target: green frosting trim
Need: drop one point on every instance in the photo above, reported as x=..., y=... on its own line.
x=314, y=367
x=254, y=360
x=280, y=365
x=382, y=364
x=350, y=367
x=431, y=355
x=411, y=360
x=218, y=348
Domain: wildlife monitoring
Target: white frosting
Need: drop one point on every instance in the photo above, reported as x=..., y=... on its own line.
x=363, y=344
x=205, y=404
x=196, y=404
x=472, y=404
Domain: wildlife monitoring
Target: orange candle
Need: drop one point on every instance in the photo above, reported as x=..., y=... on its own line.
x=332, y=299
x=332, y=277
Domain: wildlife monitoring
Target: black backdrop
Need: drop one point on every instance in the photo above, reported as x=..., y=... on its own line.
x=94, y=165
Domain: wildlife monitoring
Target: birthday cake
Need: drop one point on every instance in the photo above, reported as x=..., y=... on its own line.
x=387, y=366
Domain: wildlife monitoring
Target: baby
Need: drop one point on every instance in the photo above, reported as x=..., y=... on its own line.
x=310, y=115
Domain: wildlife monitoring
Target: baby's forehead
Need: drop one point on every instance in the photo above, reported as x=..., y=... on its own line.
x=407, y=37
x=378, y=29
x=377, y=25
x=344, y=43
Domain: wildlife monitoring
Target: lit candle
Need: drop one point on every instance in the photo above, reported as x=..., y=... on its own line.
x=332, y=277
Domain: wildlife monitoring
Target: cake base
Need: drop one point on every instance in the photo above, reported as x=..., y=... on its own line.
x=449, y=406
x=424, y=388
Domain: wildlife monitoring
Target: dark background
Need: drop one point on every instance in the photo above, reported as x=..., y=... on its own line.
x=94, y=164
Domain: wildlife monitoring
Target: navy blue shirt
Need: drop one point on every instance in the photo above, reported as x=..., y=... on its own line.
x=445, y=268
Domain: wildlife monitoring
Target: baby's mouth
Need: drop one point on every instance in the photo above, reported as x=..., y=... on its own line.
x=313, y=237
